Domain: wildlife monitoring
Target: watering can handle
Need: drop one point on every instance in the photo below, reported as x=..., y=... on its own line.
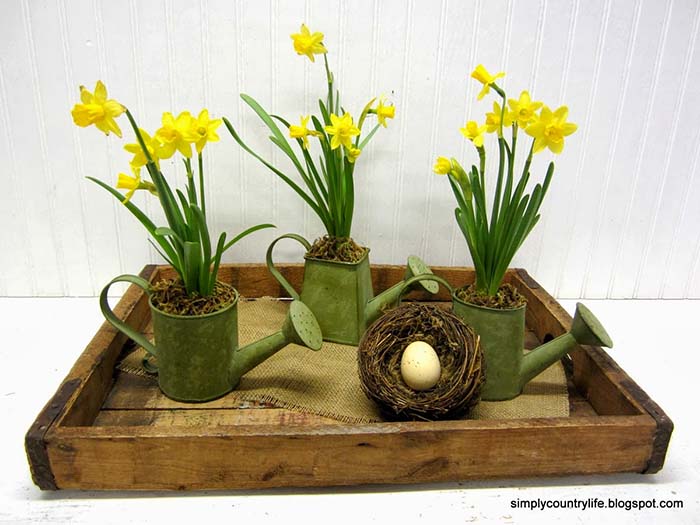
x=275, y=272
x=120, y=325
x=424, y=277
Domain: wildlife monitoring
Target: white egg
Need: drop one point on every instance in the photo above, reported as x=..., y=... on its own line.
x=420, y=366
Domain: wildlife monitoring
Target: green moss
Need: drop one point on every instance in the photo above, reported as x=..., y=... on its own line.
x=170, y=296
x=507, y=297
x=340, y=249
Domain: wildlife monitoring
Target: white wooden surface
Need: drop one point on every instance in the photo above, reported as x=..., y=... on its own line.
x=659, y=357
x=621, y=219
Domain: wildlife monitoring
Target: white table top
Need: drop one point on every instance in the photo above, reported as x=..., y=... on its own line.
x=656, y=342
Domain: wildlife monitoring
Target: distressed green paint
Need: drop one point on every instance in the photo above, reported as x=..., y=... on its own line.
x=198, y=356
x=340, y=294
x=508, y=368
x=194, y=353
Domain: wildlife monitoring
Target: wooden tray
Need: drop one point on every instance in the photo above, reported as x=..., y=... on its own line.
x=107, y=430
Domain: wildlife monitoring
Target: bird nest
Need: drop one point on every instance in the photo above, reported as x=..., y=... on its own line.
x=461, y=361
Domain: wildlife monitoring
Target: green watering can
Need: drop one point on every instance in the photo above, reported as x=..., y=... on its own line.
x=340, y=294
x=502, y=332
x=198, y=356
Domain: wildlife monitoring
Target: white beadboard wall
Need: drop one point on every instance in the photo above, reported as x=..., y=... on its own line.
x=622, y=216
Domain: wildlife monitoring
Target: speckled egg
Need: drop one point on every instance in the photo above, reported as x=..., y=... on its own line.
x=420, y=366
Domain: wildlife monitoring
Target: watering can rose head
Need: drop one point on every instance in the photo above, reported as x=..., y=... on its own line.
x=494, y=235
x=325, y=182
x=185, y=242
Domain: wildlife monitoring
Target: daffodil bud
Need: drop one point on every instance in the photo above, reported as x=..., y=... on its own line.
x=442, y=166
x=457, y=171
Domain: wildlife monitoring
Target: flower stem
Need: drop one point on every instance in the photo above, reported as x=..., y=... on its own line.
x=201, y=184
x=329, y=78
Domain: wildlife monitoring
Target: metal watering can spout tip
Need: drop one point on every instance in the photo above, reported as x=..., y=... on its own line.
x=416, y=266
x=300, y=327
x=586, y=329
x=389, y=297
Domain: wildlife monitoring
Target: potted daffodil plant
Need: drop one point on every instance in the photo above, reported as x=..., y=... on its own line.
x=337, y=285
x=194, y=315
x=495, y=226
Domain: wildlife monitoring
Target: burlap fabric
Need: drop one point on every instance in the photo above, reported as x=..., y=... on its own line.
x=326, y=382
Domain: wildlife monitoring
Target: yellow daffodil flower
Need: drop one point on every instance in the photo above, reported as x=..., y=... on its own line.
x=493, y=120
x=474, y=132
x=442, y=166
x=152, y=145
x=307, y=43
x=172, y=135
x=98, y=110
x=352, y=154
x=342, y=130
x=486, y=78
x=202, y=130
x=384, y=112
x=523, y=111
x=550, y=128
x=126, y=182
x=302, y=132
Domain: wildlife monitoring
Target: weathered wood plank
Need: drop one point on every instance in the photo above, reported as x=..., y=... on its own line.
x=255, y=457
x=189, y=417
x=254, y=280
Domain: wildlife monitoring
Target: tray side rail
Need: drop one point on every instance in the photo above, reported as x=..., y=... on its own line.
x=255, y=457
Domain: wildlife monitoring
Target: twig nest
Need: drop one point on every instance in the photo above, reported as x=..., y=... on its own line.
x=461, y=365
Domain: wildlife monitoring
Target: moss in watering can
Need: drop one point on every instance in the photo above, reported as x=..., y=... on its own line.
x=340, y=249
x=506, y=298
x=170, y=296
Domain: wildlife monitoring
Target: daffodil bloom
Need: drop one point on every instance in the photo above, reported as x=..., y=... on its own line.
x=307, y=43
x=202, y=130
x=352, y=154
x=152, y=145
x=98, y=110
x=486, y=78
x=384, y=112
x=524, y=110
x=474, y=132
x=126, y=182
x=442, y=166
x=493, y=120
x=302, y=132
x=550, y=128
x=172, y=135
x=342, y=130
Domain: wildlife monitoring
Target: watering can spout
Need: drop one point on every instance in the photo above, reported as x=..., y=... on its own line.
x=389, y=297
x=300, y=327
x=586, y=329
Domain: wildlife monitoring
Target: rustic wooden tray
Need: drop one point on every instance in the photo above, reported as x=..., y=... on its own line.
x=107, y=430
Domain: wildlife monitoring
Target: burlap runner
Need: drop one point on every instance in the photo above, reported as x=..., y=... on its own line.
x=326, y=382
